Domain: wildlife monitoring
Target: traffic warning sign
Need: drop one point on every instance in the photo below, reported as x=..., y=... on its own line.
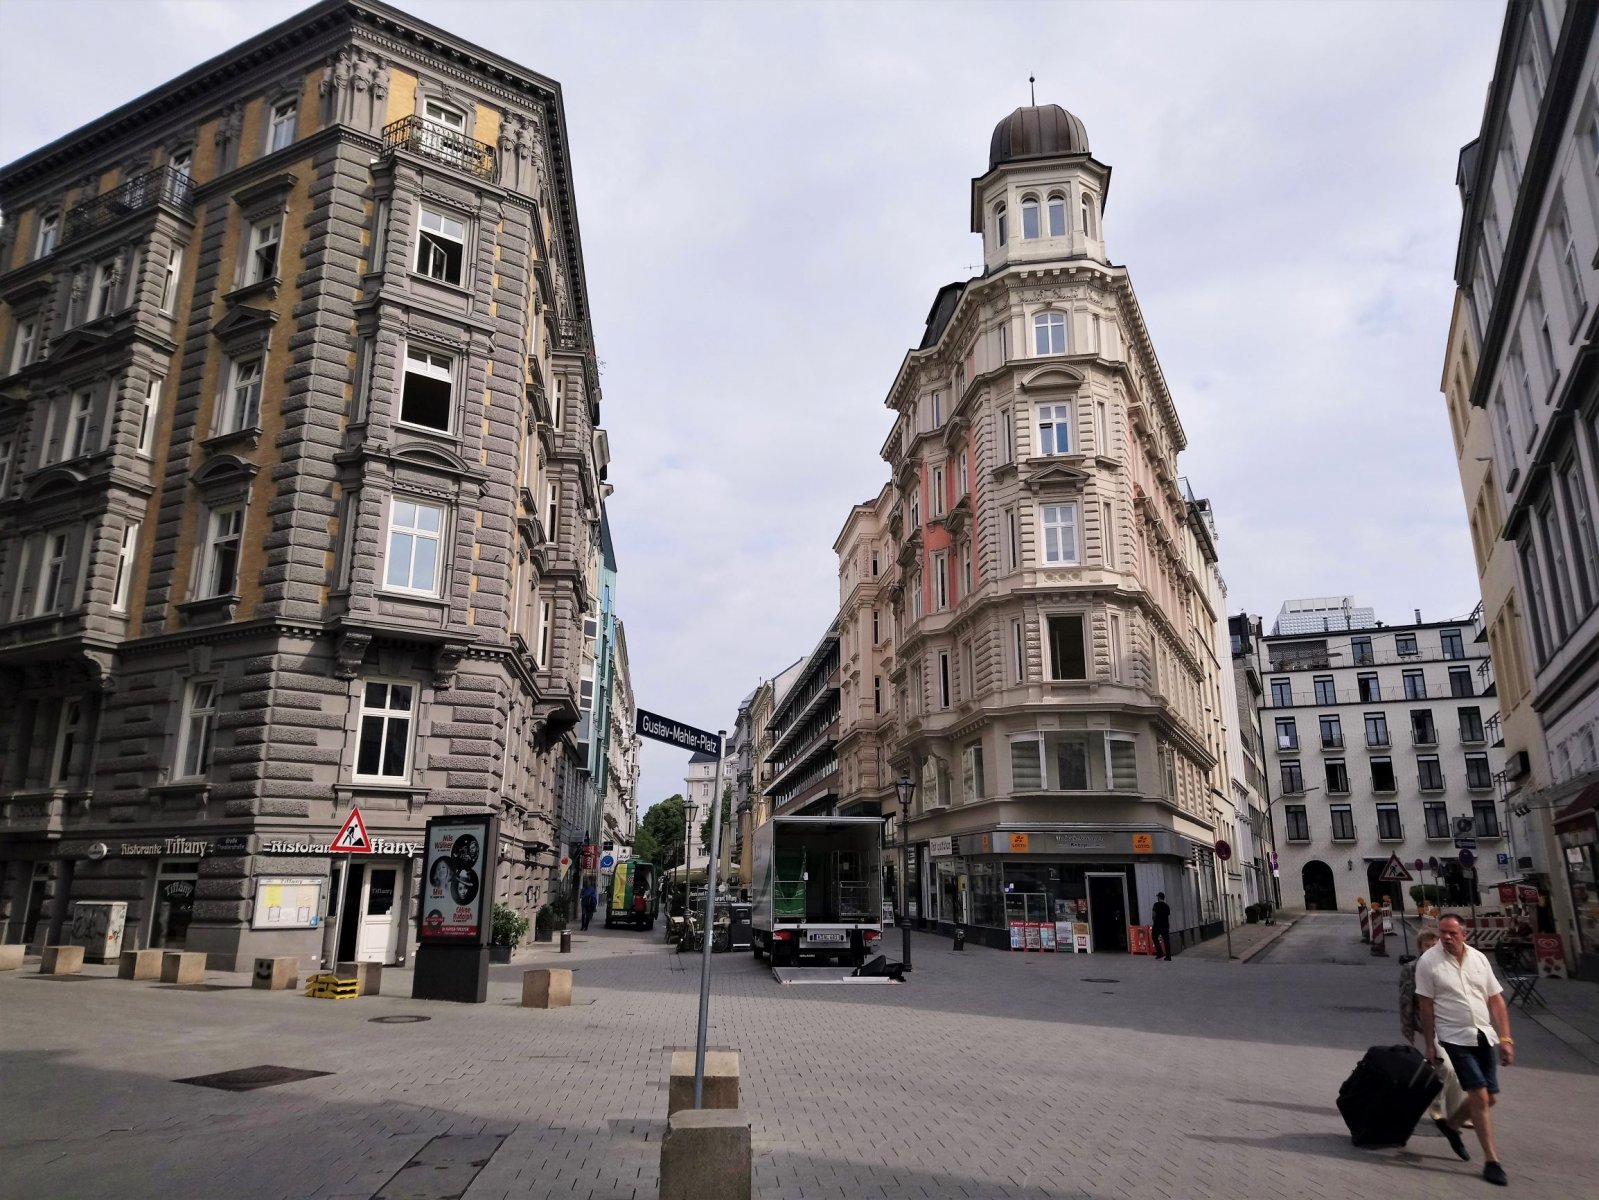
x=1394, y=871
x=352, y=837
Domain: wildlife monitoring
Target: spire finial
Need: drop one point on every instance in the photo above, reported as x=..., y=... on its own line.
x=1032, y=92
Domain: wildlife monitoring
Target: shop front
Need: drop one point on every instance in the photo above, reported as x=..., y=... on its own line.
x=1577, y=831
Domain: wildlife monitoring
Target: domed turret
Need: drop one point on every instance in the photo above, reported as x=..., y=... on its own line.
x=1047, y=131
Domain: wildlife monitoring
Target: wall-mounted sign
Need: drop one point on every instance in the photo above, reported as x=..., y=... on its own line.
x=287, y=902
x=457, y=879
x=941, y=847
x=187, y=847
x=1143, y=843
x=1018, y=843
x=381, y=847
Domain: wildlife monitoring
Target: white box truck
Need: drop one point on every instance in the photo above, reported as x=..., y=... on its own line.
x=818, y=888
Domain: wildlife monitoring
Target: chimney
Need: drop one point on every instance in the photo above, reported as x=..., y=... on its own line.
x=1418, y=616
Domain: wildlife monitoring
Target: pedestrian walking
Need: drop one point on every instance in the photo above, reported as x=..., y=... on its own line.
x=1462, y=1012
x=1451, y=1110
x=591, y=901
x=1160, y=926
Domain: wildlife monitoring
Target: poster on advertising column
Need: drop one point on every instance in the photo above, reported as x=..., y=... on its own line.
x=457, y=878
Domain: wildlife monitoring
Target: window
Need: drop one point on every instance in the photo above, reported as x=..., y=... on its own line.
x=1007, y=437
x=1360, y=650
x=1293, y=777
x=1066, y=656
x=49, y=235
x=1478, y=773
x=1415, y=685
x=76, y=441
x=1057, y=215
x=280, y=130
x=242, y=405
x=1055, y=429
x=966, y=568
x=262, y=263
x=199, y=720
x=1287, y=734
x=124, y=574
x=52, y=574
x=972, y=771
x=1389, y=828
x=939, y=491
x=1486, y=815
x=1298, y=828
x=1281, y=693
x=1422, y=730
x=552, y=509
x=149, y=413
x=1325, y=691
x=1430, y=773
x=1012, y=541
x=220, y=565
x=1370, y=690
x=68, y=732
x=169, y=280
x=1460, y=681
x=1018, y=649
x=943, y=680
x=935, y=408
x=1332, y=733
x=1121, y=757
x=1343, y=822
x=181, y=163
x=429, y=382
x=1001, y=226
x=1539, y=613
x=440, y=246
x=940, y=582
x=1107, y=525
x=1027, y=763
x=7, y=451
x=384, y=748
x=877, y=693
x=1030, y=217
x=1405, y=644
x=1337, y=776
x=1049, y=333
x=1453, y=646
x=1376, y=729
x=414, y=547
x=23, y=343
x=876, y=635
x=1436, y=815
x=1086, y=207
x=1570, y=267
x=103, y=294
x=1059, y=524
x=546, y=631
x=1115, y=648
x=1471, y=730
x=962, y=475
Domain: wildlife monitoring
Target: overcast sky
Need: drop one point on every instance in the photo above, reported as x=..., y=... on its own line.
x=771, y=194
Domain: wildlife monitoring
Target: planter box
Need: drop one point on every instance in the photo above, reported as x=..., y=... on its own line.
x=500, y=954
x=543, y=935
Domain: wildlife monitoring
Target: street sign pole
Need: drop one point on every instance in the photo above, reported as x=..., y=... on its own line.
x=1222, y=851
x=710, y=912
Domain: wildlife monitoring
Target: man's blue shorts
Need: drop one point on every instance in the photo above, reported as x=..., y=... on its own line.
x=1477, y=1066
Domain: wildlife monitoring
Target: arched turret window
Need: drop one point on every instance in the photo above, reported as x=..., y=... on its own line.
x=1049, y=333
x=1057, y=215
x=1030, y=228
x=1001, y=225
x=1088, y=214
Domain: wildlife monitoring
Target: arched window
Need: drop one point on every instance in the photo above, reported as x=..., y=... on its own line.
x=1057, y=215
x=1088, y=214
x=1001, y=226
x=1029, y=217
x=1049, y=333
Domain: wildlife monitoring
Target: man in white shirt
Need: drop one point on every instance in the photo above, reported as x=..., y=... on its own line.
x=1461, y=1007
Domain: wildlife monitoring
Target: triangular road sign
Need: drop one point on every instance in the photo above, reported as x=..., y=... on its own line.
x=352, y=837
x=1394, y=871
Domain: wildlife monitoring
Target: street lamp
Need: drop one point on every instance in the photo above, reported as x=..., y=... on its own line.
x=903, y=787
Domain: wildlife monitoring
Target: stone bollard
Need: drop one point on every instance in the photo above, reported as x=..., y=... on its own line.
x=139, y=964
x=548, y=987
x=721, y=1081
x=706, y=1155
x=11, y=956
x=62, y=960
x=368, y=976
x=182, y=966
x=276, y=974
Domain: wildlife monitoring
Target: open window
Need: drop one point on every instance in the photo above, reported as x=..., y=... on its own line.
x=441, y=247
x=427, y=392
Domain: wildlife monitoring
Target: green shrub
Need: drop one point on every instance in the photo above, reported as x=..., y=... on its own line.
x=1427, y=893
x=509, y=927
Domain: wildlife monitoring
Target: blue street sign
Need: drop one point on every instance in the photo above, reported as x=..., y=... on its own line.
x=1502, y=859
x=608, y=861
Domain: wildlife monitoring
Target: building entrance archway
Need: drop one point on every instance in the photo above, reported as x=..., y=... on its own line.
x=1321, y=895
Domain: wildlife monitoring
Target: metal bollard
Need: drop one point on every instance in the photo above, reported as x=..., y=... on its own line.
x=960, y=938
x=566, y=941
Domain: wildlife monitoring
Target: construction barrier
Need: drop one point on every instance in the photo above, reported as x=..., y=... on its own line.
x=332, y=987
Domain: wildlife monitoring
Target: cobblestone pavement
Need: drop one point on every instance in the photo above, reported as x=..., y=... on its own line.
x=991, y=1074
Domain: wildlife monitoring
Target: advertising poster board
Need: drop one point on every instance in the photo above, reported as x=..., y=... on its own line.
x=457, y=879
x=1046, y=935
x=1018, y=935
x=287, y=902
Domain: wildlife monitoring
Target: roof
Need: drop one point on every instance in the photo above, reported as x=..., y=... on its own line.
x=1047, y=131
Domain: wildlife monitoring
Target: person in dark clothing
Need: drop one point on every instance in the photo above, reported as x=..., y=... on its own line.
x=1160, y=926
x=591, y=901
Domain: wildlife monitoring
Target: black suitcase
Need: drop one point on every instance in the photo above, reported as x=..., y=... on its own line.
x=1387, y=1094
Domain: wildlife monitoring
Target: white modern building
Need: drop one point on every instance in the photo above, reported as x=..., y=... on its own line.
x=1323, y=614
x=698, y=791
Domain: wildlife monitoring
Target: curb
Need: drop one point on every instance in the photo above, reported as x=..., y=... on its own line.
x=1282, y=927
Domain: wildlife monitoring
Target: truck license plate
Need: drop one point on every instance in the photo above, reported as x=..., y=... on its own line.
x=835, y=936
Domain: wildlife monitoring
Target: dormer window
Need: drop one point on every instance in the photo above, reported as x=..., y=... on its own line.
x=1001, y=227
x=1057, y=215
x=1049, y=333
x=1030, y=227
x=1088, y=214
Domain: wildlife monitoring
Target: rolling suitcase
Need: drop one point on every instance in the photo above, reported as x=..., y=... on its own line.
x=1387, y=1094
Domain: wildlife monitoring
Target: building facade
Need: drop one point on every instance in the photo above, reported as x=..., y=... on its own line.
x=1380, y=742
x=1248, y=759
x=1522, y=383
x=298, y=478
x=866, y=659
x=699, y=793
x=1319, y=614
x=620, y=810
x=803, y=728
x=1050, y=644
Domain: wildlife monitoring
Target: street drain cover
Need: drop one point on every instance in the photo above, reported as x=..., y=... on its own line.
x=247, y=1079
x=399, y=1019
x=1101, y=980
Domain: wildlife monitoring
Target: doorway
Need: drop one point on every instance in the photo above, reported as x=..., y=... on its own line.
x=1321, y=895
x=1107, y=912
x=370, y=931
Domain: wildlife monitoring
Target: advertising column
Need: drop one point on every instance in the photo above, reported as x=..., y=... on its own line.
x=454, y=907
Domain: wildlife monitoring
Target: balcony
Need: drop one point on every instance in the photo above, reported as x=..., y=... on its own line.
x=441, y=144
x=1473, y=737
x=1430, y=785
x=1377, y=741
x=164, y=185
x=1424, y=738
x=1334, y=742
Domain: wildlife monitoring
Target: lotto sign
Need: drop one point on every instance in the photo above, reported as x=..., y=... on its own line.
x=352, y=836
x=1143, y=843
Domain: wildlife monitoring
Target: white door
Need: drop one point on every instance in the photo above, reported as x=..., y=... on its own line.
x=380, y=925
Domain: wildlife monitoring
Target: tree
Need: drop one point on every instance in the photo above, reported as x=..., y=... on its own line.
x=727, y=819
x=660, y=834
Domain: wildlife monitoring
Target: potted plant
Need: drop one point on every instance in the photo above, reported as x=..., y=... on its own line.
x=551, y=916
x=507, y=932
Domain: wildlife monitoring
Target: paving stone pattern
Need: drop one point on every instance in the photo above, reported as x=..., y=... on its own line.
x=988, y=1075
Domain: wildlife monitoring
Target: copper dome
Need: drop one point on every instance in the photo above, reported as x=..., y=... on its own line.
x=1047, y=131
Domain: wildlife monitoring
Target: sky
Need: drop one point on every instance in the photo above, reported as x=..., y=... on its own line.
x=770, y=195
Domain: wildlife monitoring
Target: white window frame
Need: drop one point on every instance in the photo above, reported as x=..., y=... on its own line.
x=1053, y=419
x=266, y=240
x=944, y=687
x=428, y=364
x=1001, y=226
x=102, y=296
x=385, y=713
x=52, y=572
x=545, y=632
x=1007, y=437
x=282, y=124
x=75, y=438
x=966, y=568
x=49, y=235
x=936, y=409
x=150, y=415
x=1570, y=263
x=440, y=231
x=8, y=450
x=1107, y=533
x=196, y=728
x=1059, y=523
x=552, y=509
x=24, y=343
x=241, y=404
x=170, y=279
x=1030, y=211
x=122, y=581
x=436, y=113
x=1013, y=541
x=939, y=489
x=1045, y=326
x=224, y=543
x=941, y=581
x=69, y=725
x=1115, y=647
x=1086, y=207
x=182, y=162
x=1057, y=205
x=400, y=524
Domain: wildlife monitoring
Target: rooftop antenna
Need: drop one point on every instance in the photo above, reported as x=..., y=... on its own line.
x=1032, y=92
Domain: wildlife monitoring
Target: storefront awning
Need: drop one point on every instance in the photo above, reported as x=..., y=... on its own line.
x=1580, y=812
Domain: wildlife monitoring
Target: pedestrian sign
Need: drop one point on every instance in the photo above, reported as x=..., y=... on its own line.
x=352, y=837
x=1394, y=871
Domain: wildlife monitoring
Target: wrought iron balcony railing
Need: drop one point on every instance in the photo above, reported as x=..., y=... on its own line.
x=441, y=144
x=164, y=185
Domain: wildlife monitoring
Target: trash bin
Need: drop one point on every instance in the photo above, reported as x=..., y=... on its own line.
x=960, y=938
x=741, y=928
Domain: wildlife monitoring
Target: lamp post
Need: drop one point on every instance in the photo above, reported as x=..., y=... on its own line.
x=903, y=787
x=689, y=810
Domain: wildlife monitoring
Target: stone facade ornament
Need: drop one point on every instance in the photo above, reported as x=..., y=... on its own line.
x=350, y=653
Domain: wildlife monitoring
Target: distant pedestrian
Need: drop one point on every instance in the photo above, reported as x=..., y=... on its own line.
x=1461, y=1009
x=591, y=901
x=1450, y=1111
x=1160, y=926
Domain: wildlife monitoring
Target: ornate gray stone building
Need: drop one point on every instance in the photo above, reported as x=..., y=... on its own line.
x=299, y=486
